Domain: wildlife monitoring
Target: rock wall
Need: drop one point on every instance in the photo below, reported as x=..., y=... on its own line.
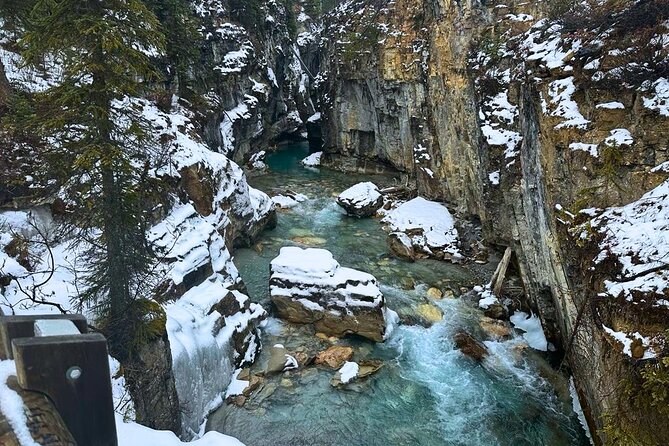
x=512, y=119
x=255, y=85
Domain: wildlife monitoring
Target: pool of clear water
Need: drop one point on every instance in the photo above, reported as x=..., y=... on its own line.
x=427, y=392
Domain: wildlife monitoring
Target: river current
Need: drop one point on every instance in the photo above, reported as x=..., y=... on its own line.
x=427, y=392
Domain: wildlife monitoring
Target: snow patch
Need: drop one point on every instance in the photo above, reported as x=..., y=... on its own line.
x=533, y=331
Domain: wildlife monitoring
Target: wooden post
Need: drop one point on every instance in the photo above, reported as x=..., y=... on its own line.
x=13, y=327
x=74, y=372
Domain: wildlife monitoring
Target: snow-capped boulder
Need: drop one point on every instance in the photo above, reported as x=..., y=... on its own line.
x=361, y=200
x=429, y=225
x=308, y=286
x=288, y=199
x=313, y=160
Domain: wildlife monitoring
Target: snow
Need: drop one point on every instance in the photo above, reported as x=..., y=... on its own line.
x=626, y=341
x=611, y=106
x=312, y=160
x=493, y=177
x=240, y=112
x=236, y=61
x=392, y=320
x=305, y=273
x=133, y=434
x=257, y=161
x=636, y=238
x=637, y=234
x=496, y=113
x=197, y=345
x=576, y=406
x=288, y=201
x=502, y=137
x=55, y=327
x=316, y=117
x=531, y=325
x=546, y=46
x=348, y=371
x=563, y=106
x=429, y=224
x=236, y=386
x=653, y=283
x=12, y=406
x=487, y=297
x=360, y=195
x=308, y=263
x=660, y=100
x=588, y=148
x=619, y=137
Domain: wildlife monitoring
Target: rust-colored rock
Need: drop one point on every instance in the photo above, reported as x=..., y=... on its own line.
x=335, y=356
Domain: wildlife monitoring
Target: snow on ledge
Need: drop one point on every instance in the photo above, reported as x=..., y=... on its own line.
x=531, y=325
x=133, y=434
x=349, y=371
x=11, y=405
x=301, y=273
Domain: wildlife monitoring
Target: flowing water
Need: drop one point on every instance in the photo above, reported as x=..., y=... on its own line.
x=427, y=392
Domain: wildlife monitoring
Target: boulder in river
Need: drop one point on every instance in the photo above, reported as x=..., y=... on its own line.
x=361, y=200
x=428, y=225
x=313, y=160
x=401, y=246
x=470, y=346
x=280, y=360
x=308, y=286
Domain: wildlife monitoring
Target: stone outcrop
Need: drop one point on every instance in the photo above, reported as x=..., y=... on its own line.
x=401, y=246
x=150, y=380
x=509, y=119
x=307, y=286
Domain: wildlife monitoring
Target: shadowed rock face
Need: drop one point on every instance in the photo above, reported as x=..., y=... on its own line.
x=307, y=286
x=151, y=383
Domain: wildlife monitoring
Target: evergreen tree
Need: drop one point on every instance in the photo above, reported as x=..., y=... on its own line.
x=103, y=49
x=183, y=40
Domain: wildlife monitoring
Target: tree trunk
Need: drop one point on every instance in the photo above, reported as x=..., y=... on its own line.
x=118, y=276
x=5, y=89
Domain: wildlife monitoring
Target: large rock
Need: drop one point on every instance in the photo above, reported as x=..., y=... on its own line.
x=361, y=200
x=429, y=227
x=280, y=360
x=308, y=286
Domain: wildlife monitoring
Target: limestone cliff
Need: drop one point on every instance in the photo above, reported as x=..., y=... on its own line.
x=517, y=113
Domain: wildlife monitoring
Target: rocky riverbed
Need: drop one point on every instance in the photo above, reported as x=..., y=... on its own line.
x=417, y=387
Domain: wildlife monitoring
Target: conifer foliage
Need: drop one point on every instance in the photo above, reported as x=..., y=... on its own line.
x=99, y=140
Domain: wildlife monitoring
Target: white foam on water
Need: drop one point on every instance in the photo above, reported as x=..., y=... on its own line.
x=470, y=398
